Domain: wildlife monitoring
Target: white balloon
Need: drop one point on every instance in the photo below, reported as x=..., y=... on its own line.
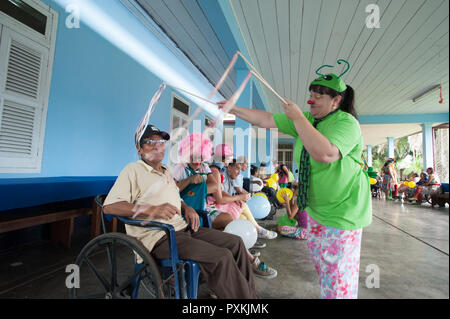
x=245, y=230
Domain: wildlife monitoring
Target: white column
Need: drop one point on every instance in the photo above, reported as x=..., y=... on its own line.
x=391, y=146
x=427, y=145
x=369, y=155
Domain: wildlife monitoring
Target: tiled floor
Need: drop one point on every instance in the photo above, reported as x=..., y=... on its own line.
x=409, y=245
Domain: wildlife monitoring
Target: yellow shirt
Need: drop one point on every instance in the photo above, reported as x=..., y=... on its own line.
x=140, y=184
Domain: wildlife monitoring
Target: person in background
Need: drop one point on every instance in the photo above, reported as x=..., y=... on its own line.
x=293, y=224
x=231, y=207
x=390, y=178
x=256, y=183
x=412, y=177
x=192, y=175
x=239, y=181
x=283, y=175
x=410, y=192
x=429, y=187
x=262, y=172
x=223, y=154
x=231, y=174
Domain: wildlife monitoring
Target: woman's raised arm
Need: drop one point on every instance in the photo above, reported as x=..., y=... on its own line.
x=259, y=118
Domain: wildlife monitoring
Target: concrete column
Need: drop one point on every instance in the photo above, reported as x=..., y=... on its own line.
x=390, y=142
x=242, y=139
x=427, y=145
x=369, y=155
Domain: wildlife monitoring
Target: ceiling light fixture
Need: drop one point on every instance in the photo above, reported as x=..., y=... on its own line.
x=426, y=92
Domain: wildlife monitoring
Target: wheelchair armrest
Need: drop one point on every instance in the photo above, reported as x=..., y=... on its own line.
x=168, y=229
x=204, y=215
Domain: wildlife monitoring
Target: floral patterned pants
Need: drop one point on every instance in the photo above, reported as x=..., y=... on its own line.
x=335, y=253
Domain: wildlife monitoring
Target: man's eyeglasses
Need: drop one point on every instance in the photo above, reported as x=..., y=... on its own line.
x=154, y=142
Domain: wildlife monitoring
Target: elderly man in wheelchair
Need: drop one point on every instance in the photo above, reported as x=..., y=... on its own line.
x=145, y=193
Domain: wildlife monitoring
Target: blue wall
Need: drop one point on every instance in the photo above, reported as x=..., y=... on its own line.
x=98, y=95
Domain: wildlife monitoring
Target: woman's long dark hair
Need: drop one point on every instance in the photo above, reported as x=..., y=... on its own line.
x=281, y=170
x=348, y=97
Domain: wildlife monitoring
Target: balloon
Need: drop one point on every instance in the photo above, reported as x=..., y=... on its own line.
x=261, y=194
x=373, y=181
x=271, y=183
x=274, y=177
x=259, y=206
x=280, y=195
x=411, y=184
x=245, y=230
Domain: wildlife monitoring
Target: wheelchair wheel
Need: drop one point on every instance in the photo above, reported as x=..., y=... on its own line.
x=107, y=270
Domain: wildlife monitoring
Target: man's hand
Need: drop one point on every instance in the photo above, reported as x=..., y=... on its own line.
x=164, y=211
x=192, y=217
x=196, y=179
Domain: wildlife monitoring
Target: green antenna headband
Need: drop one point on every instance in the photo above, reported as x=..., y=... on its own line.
x=332, y=80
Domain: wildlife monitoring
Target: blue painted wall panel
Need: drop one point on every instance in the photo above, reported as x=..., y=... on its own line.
x=97, y=97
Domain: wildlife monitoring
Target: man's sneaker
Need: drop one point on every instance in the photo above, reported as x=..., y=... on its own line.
x=259, y=244
x=254, y=252
x=267, y=234
x=262, y=270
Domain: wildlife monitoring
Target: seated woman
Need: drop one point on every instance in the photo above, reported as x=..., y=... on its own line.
x=293, y=224
x=429, y=187
x=256, y=183
x=413, y=177
x=410, y=192
x=192, y=176
x=223, y=154
x=195, y=180
x=233, y=204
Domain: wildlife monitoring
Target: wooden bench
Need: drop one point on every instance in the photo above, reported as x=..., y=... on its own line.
x=28, y=202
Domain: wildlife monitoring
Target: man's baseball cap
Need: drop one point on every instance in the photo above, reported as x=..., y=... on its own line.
x=150, y=130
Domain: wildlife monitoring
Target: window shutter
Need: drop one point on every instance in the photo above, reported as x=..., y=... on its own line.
x=16, y=130
x=24, y=68
x=22, y=102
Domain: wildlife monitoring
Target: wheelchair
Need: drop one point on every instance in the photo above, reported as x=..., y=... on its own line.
x=109, y=268
x=376, y=190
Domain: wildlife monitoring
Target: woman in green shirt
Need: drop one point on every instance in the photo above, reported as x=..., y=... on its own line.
x=334, y=189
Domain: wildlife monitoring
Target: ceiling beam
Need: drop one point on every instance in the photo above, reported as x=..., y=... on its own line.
x=404, y=118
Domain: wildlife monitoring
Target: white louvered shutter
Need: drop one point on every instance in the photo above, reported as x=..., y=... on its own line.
x=23, y=72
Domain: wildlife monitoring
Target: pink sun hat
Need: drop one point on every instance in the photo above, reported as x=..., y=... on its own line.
x=196, y=145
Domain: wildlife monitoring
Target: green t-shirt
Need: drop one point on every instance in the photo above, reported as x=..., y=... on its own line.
x=339, y=192
x=284, y=220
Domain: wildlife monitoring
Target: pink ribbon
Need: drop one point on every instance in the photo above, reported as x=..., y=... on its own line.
x=144, y=121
